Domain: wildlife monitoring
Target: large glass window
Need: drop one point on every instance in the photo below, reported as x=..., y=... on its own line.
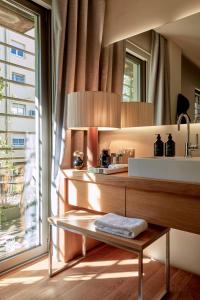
x=23, y=138
x=134, y=84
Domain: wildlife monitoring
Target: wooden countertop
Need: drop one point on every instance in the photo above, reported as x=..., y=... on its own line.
x=137, y=183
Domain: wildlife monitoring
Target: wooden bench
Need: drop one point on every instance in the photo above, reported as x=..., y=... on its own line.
x=82, y=223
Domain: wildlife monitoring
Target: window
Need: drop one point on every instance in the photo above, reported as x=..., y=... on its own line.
x=18, y=52
x=31, y=113
x=18, y=77
x=25, y=164
x=134, y=84
x=18, y=109
x=18, y=142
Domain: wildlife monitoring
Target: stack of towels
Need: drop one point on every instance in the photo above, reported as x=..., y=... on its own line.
x=119, y=225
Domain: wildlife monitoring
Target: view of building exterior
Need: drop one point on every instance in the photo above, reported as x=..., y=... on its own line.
x=17, y=137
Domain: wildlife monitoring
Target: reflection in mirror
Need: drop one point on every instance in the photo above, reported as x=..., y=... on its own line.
x=134, y=79
x=162, y=67
x=137, y=109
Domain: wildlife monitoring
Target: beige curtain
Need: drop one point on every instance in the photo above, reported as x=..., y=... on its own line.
x=112, y=68
x=79, y=62
x=77, y=27
x=159, y=80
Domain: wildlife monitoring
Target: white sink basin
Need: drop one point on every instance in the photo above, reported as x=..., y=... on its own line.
x=176, y=168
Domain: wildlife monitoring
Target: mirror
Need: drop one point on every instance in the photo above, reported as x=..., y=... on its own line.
x=162, y=67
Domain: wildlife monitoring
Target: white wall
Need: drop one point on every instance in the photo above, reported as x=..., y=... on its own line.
x=125, y=18
x=185, y=247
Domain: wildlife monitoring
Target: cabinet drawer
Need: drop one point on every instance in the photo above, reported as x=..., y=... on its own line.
x=164, y=209
x=96, y=197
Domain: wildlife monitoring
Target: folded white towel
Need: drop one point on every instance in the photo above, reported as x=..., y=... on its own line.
x=119, y=225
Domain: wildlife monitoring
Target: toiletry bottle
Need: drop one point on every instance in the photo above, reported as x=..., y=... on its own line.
x=158, y=146
x=170, y=147
x=105, y=158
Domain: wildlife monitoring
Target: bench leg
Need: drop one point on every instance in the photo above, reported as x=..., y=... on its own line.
x=167, y=263
x=84, y=245
x=140, y=277
x=69, y=264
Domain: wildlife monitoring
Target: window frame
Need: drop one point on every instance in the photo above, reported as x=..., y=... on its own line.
x=17, y=49
x=45, y=101
x=17, y=105
x=31, y=112
x=14, y=75
x=18, y=145
x=143, y=73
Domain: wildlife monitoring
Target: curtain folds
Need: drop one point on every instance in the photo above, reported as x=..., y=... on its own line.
x=79, y=61
x=112, y=68
x=77, y=27
x=78, y=64
x=159, y=80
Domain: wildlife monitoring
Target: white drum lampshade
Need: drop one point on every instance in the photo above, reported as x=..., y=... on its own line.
x=93, y=109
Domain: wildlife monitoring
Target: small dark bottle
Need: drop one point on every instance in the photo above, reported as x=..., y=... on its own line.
x=170, y=147
x=158, y=146
x=105, y=158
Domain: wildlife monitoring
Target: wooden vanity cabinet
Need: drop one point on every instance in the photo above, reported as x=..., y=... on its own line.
x=162, y=202
x=166, y=209
x=97, y=197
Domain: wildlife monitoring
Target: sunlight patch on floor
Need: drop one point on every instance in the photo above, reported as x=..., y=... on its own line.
x=79, y=277
x=21, y=280
x=132, y=261
x=42, y=265
x=117, y=275
x=102, y=263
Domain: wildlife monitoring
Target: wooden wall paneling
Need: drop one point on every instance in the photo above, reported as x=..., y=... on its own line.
x=78, y=140
x=75, y=140
x=92, y=147
x=67, y=160
x=167, y=209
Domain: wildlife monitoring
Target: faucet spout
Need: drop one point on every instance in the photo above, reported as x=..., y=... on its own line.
x=187, y=145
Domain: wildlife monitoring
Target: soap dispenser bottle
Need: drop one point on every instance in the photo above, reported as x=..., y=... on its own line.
x=158, y=146
x=170, y=147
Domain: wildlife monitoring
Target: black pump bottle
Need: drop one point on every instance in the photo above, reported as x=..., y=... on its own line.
x=170, y=147
x=158, y=146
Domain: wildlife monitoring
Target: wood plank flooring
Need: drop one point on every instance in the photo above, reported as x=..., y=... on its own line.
x=106, y=274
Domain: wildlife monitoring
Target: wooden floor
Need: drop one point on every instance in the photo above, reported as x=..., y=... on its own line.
x=106, y=274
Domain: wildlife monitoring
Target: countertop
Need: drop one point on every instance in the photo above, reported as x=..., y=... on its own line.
x=137, y=183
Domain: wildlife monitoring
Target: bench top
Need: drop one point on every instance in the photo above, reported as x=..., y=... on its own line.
x=82, y=222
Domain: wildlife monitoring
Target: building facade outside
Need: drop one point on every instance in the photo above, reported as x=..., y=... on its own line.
x=17, y=140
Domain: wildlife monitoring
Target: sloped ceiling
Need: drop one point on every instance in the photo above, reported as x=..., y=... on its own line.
x=125, y=18
x=186, y=34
